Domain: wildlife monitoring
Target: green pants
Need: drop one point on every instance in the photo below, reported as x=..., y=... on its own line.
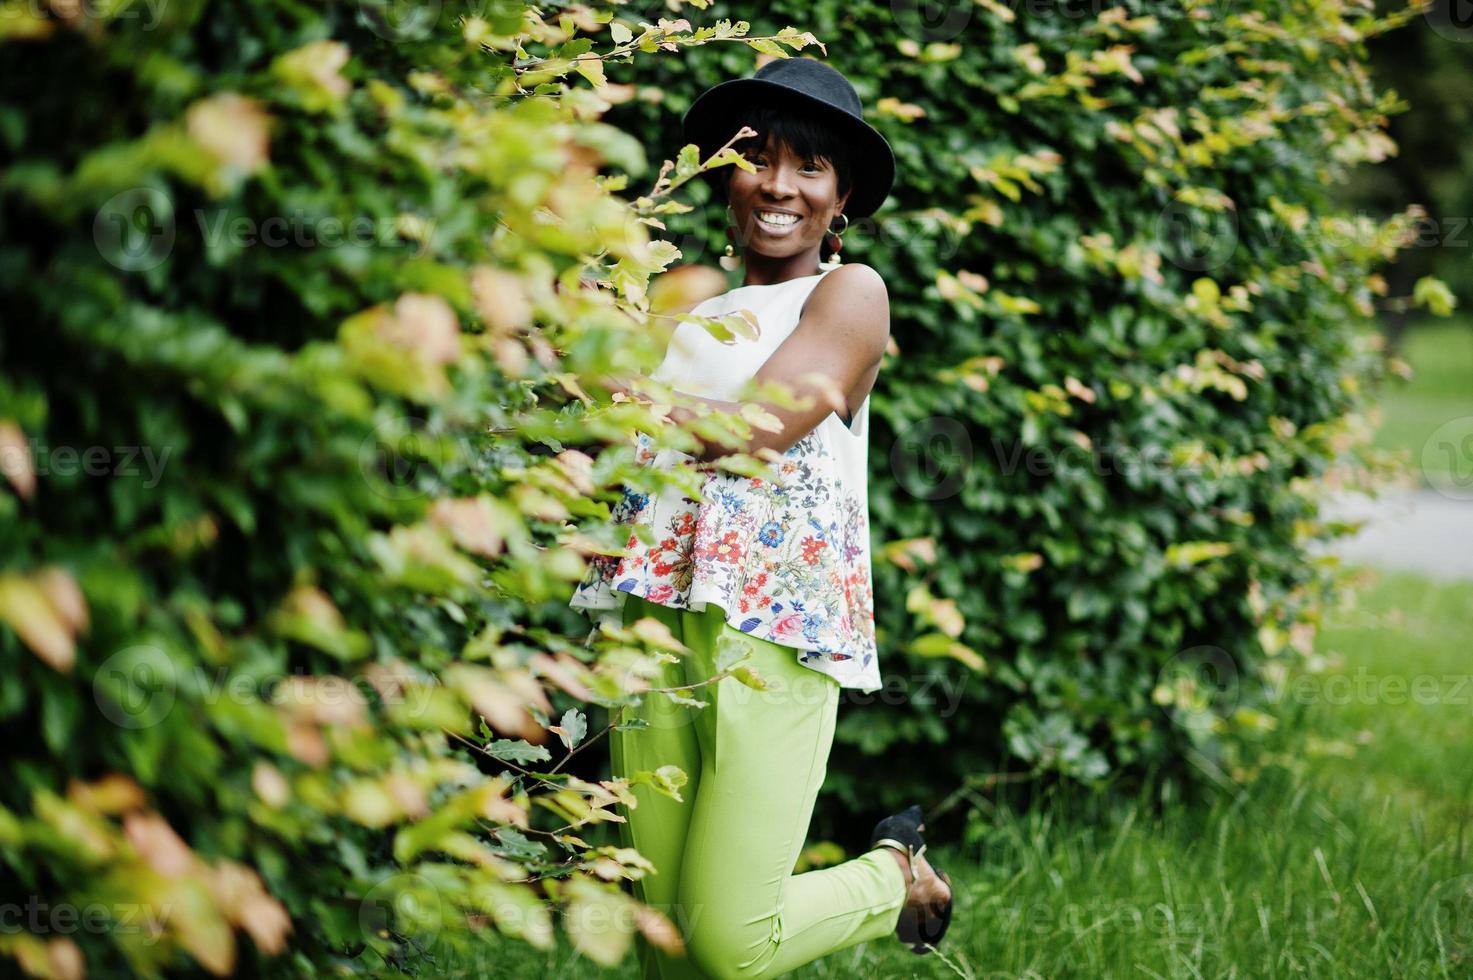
x=724, y=857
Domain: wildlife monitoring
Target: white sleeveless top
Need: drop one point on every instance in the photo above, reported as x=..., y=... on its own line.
x=787, y=559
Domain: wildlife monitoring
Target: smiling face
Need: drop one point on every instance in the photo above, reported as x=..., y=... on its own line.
x=784, y=208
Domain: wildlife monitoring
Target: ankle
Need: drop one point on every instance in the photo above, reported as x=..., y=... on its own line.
x=907, y=873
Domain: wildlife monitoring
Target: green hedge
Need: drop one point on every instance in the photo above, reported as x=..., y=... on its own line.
x=300, y=301
x=1132, y=338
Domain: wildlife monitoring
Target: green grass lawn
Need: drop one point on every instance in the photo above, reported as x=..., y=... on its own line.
x=1440, y=390
x=1351, y=858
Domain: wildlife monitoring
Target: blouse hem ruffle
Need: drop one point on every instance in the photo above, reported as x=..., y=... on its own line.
x=605, y=606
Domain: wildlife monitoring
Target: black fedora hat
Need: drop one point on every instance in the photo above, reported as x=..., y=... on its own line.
x=708, y=122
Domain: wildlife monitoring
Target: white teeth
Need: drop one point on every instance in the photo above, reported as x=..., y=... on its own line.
x=770, y=218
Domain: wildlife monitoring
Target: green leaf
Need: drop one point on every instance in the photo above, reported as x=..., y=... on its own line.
x=1434, y=294
x=665, y=780
x=518, y=751
x=571, y=728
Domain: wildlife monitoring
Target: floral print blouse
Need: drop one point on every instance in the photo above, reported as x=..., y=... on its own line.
x=786, y=558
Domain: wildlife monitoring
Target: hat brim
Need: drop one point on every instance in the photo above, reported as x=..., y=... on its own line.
x=707, y=123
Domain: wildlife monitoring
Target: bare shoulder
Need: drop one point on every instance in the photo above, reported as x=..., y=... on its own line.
x=855, y=282
x=850, y=307
x=854, y=293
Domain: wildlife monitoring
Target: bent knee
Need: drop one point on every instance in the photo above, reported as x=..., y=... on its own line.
x=731, y=947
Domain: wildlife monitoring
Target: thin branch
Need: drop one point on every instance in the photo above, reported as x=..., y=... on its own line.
x=629, y=47
x=581, y=746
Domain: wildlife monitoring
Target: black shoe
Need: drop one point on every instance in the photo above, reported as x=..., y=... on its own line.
x=921, y=928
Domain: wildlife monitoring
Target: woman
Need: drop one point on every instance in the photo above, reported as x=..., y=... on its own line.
x=776, y=569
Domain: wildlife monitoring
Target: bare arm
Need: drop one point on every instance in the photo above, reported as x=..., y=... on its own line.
x=841, y=336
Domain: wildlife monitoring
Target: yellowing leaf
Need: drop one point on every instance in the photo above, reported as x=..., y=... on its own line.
x=1079, y=390
x=1189, y=553
x=904, y=111
x=27, y=608
x=665, y=780
x=759, y=418
x=596, y=922
x=313, y=71
x=905, y=553
x=16, y=464
x=592, y=68
x=1025, y=562
x=270, y=785
x=941, y=645
x=471, y=522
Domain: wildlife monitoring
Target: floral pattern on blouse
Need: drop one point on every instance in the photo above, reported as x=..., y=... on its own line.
x=784, y=558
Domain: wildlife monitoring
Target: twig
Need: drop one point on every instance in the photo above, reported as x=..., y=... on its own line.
x=660, y=37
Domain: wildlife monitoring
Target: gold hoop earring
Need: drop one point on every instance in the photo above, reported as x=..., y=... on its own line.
x=730, y=261
x=834, y=260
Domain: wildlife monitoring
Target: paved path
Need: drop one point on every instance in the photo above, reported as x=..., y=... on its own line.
x=1416, y=530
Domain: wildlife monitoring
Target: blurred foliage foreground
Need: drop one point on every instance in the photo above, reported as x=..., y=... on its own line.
x=305, y=437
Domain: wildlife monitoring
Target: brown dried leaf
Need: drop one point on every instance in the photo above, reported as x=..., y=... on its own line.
x=305, y=743
x=684, y=287
x=244, y=900
x=270, y=785
x=16, y=464
x=500, y=299
x=563, y=671
x=471, y=523
x=112, y=794
x=407, y=794
x=232, y=128
x=502, y=703
x=158, y=845
x=577, y=466
x=326, y=700
x=425, y=324
x=658, y=929
x=65, y=960
x=1079, y=390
